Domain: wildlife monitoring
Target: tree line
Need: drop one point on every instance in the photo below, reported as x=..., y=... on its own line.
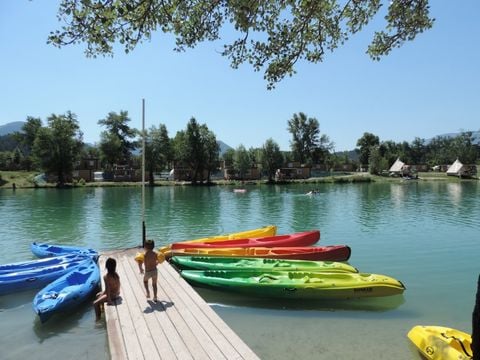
x=441, y=150
x=57, y=147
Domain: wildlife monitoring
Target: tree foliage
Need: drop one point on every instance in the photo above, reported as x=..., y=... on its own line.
x=158, y=150
x=57, y=147
x=116, y=143
x=197, y=148
x=308, y=147
x=271, y=35
x=366, y=142
x=241, y=161
x=271, y=158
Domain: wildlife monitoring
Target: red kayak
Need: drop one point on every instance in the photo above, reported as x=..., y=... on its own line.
x=325, y=253
x=305, y=238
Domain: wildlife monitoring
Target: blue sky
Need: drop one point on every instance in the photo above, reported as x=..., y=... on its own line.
x=426, y=88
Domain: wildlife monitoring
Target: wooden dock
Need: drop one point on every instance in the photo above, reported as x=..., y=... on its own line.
x=180, y=326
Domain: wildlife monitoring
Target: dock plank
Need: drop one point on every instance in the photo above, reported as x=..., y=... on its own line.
x=180, y=326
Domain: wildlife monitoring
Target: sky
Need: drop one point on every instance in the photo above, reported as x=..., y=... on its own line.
x=428, y=87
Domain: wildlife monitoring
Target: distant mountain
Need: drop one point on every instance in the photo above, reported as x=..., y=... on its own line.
x=223, y=147
x=475, y=137
x=11, y=127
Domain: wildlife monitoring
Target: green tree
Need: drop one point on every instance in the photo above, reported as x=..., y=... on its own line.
x=418, y=151
x=116, y=143
x=158, y=150
x=305, y=137
x=366, y=142
x=196, y=147
x=57, y=147
x=27, y=139
x=228, y=156
x=211, y=150
x=241, y=161
x=376, y=162
x=270, y=35
x=272, y=158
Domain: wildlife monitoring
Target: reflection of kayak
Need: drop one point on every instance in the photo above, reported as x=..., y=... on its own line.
x=68, y=291
x=239, y=190
x=332, y=253
x=305, y=238
x=269, y=230
x=297, y=284
x=442, y=343
x=258, y=264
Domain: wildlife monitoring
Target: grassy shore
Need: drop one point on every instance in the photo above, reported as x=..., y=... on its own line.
x=25, y=179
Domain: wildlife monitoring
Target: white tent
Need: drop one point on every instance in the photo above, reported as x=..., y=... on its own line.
x=456, y=168
x=397, y=166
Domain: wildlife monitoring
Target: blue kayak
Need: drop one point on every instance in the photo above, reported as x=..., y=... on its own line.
x=38, y=263
x=37, y=277
x=43, y=250
x=68, y=291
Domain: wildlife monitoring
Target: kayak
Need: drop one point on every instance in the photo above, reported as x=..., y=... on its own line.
x=297, y=284
x=38, y=263
x=257, y=264
x=330, y=253
x=305, y=238
x=269, y=230
x=438, y=342
x=36, y=277
x=43, y=250
x=67, y=291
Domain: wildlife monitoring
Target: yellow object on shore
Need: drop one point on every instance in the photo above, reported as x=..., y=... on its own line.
x=270, y=230
x=441, y=343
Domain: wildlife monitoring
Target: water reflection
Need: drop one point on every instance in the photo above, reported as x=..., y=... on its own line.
x=223, y=298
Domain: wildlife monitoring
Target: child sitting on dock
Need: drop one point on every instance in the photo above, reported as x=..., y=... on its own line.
x=150, y=260
x=112, y=287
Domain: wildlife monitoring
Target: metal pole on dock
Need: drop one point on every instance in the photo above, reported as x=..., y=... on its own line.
x=143, y=174
x=476, y=325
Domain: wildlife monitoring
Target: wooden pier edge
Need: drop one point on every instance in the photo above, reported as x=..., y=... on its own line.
x=180, y=326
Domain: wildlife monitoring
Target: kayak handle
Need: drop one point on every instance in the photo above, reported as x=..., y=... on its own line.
x=31, y=279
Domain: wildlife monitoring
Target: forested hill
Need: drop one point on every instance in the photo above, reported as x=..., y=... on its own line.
x=17, y=126
x=10, y=128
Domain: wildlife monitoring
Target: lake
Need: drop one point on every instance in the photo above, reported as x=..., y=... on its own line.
x=424, y=233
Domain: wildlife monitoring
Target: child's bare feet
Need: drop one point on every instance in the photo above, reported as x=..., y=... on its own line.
x=155, y=299
x=148, y=295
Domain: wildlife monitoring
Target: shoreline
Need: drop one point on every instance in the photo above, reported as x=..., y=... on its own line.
x=24, y=180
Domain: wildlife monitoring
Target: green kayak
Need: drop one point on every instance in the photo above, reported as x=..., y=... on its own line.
x=297, y=284
x=258, y=264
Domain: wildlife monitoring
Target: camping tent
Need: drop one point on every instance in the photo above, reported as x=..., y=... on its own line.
x=456, y=169
x=397, y=167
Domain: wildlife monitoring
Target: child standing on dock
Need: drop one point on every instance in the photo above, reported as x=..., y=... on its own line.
x=150, y=260
x=112, y=287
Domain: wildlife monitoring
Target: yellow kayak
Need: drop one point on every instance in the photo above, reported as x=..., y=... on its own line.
x=270, y=230
x=441, y=343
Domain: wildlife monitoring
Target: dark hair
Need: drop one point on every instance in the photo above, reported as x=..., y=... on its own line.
x=149, y=244
x=111, y=265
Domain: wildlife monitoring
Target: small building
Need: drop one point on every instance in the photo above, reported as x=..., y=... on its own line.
x=292, y=171
x=461, y=170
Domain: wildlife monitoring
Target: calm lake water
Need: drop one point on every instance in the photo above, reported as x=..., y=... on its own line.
x=426, y=234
